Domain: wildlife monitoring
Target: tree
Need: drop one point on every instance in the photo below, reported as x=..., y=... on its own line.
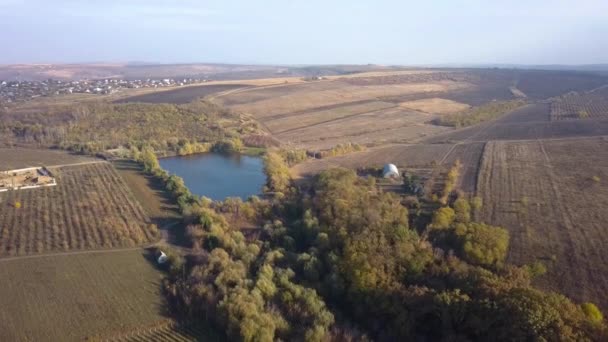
x=476, y=203
x=462, y=209
x=482, y=244
x=277, y=172
x=148, y=158
x=443, y=218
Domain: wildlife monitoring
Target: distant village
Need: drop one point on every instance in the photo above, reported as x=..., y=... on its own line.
x=19, y=91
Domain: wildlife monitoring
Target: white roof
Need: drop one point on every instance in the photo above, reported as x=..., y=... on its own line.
x=390, y=170
x=162, y=258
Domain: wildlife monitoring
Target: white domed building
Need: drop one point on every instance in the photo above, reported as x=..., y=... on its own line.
x=390, y=171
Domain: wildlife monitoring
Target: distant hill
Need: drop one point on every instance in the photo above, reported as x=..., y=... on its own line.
x=144, y=70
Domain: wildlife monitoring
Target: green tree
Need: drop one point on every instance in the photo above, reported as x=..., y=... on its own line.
x=443, y=218
x=482, y=244
x=149, y=160
x=462, y=209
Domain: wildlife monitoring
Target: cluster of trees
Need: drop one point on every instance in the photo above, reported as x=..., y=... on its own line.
x=246, y=289
x=293, y=156
x=342, y=260
x=342, y=149
x=450, y=182
x=278, y=178
x=478, y=114
x=94, y=127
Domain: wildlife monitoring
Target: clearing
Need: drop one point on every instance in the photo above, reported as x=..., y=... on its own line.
x=181, y=95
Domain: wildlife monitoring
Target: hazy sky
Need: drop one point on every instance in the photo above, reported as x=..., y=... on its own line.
x=305, y=31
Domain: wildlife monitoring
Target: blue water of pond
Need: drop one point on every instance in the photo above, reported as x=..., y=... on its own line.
x=218, y=176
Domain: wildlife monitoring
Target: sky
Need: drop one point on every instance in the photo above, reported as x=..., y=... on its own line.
x=305, y=32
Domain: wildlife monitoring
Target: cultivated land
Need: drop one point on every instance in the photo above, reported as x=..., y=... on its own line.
x=90, y=207
x=19, y=158
x=588, y=105
x=182, y=95
x=72, y=297
x=552, y=198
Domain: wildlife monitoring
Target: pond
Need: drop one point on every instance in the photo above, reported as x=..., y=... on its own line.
x=218, y=176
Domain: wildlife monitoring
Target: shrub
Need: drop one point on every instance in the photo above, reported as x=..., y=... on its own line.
x=592, y=312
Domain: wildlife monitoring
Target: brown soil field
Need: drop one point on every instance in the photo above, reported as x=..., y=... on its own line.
x=527, y=123
x=435, y=105
x=71, y=297
x=402, y=156
x=392, y=125
x=181, y=95
x=19, y=158
x=309, y=99
x=248, y=96
x=91, y=207
x=545, y=194
x=545, y=84
x=285, y=123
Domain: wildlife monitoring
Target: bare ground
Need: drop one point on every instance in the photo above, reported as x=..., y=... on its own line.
x=18, y=158
x=545, y=195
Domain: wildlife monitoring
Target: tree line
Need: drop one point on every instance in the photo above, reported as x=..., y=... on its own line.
x=478, y=114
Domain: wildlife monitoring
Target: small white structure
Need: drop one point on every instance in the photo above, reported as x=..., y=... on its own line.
x=162, y=258
x=390, y=171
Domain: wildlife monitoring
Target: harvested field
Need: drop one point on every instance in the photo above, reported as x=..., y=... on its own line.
x=401, y=155
x=309, y=118
x=545, y=84
x=90, y=207
x=392, y=125
x=181, y=95
x=20, y=158
x=551, y=197
x=529, y=122
x=246, y=96
x=309, y=99
x=72, y=297
x=435, y=105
